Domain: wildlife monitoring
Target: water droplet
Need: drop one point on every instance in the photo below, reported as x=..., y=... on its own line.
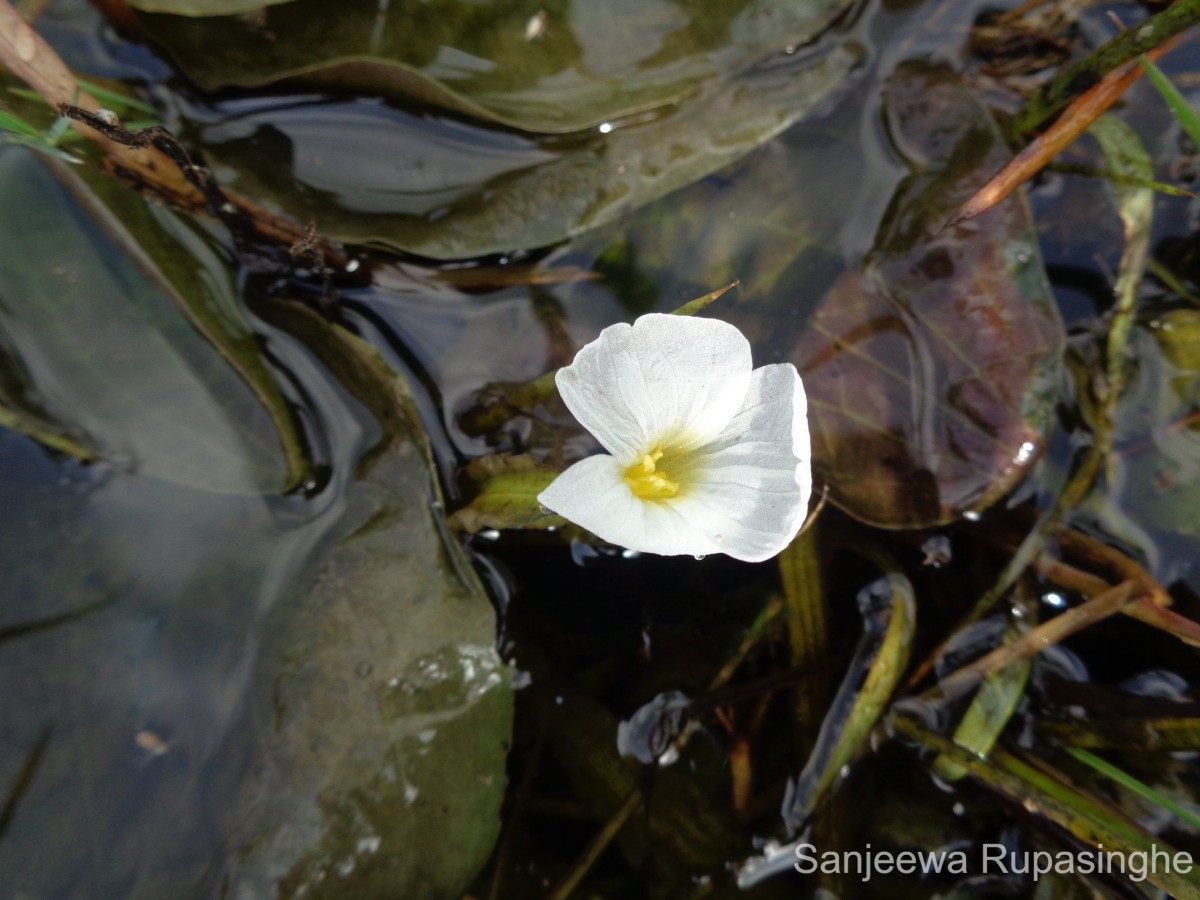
x=490, y=534
x=698, y=557
x=972, y=516
x=630, y=554
x=605, y=127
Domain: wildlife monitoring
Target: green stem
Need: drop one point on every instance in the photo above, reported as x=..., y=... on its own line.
x=799, y=570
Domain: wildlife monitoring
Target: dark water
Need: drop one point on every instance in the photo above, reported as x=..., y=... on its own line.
x=222, y=680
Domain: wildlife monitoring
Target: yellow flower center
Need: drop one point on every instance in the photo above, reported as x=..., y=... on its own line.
x=647, y=481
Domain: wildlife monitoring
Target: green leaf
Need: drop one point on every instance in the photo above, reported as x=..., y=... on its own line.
x=458, y=191
x=204, y=7
x=18, y=126
x=989, y=712
x=390, y=708
x=264, y=696
x=97, y=288
x=882, y=656
x=1125, y=153
x=556, y=66
x=507, y=498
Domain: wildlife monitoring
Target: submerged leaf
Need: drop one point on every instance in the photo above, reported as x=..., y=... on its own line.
x=1127, y=156
x=932, y=371
x=507, y=498
x=989, y=712
x=878, y=664
x=559, y=66
x=1156, y=433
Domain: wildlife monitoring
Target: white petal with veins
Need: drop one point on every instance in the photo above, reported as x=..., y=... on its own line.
x=664, y=379
x=593, y=494
x=708, y=454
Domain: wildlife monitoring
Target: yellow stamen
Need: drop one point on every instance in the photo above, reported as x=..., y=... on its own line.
x=647, y=482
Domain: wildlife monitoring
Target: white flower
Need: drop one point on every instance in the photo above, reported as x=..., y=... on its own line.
x=708, y=455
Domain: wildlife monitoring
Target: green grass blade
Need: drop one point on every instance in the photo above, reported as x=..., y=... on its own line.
x=1130, y=783
x=1179, y=106
x=17, y=125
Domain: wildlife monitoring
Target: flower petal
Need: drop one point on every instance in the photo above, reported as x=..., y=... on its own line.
x=748, y=490
x=664, y=380
x=593, y=494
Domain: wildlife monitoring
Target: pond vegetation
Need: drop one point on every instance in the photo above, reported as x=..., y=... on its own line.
x=283, y=289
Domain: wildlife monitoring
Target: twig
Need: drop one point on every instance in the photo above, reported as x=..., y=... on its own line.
x=599, y=843
x=1118, y=52
x=30, y=58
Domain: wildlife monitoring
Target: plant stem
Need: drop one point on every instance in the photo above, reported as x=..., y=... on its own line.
x=1055, y=95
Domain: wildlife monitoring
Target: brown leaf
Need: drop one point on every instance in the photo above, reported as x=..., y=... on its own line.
x=931, y=370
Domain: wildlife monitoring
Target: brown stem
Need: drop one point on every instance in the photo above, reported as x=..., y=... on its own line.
x=147, y=167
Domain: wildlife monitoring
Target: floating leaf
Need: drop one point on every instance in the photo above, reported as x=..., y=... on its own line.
x=203, y=7
x=263, y=696
x=383, y=707
x=931, y=360
x=87, y=309
x=558, y=66
x=368, y=174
